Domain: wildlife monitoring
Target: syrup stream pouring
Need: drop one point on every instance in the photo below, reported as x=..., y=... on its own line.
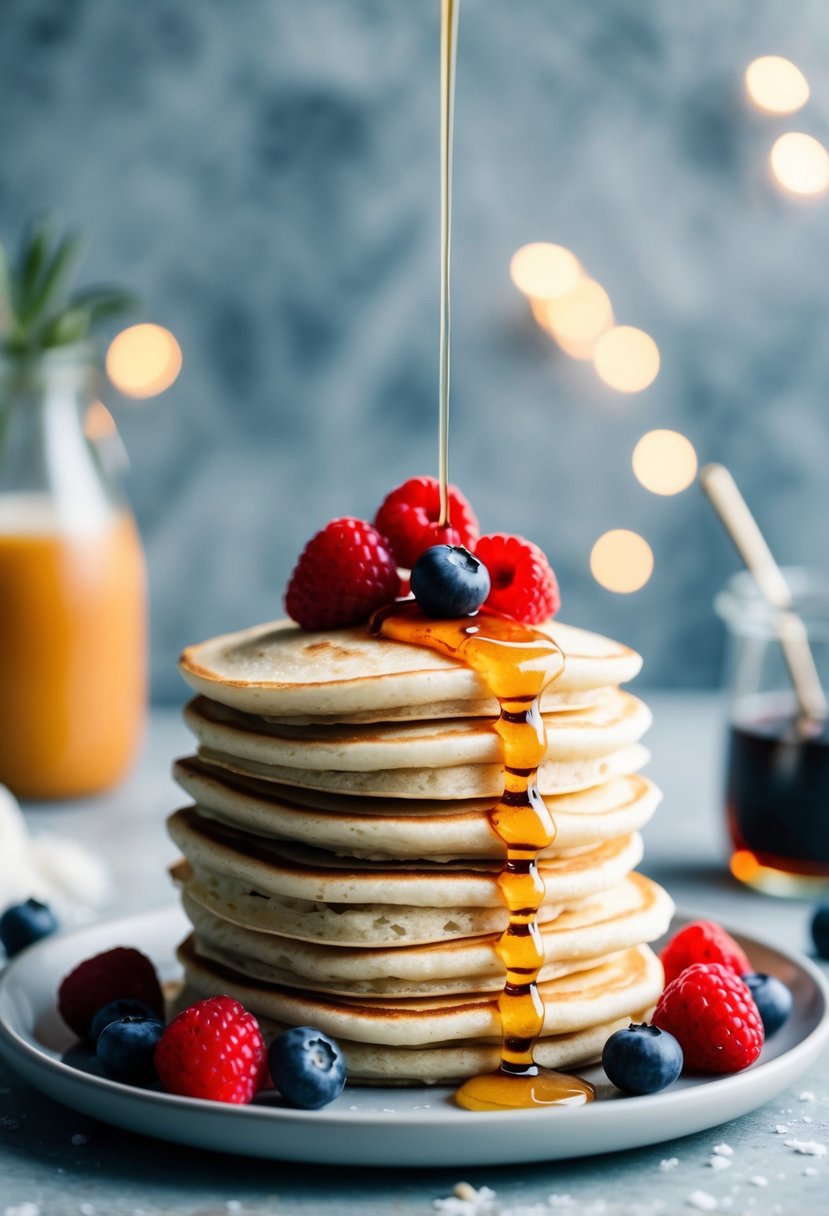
x=735, y=516
x=448, y=53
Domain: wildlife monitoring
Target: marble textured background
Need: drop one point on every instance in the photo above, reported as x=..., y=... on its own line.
x=265, y=173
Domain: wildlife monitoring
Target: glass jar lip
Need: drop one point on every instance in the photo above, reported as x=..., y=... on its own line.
x=72, y=368
x=744, y=610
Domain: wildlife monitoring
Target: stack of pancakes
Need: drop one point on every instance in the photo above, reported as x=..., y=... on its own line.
x=339, y=866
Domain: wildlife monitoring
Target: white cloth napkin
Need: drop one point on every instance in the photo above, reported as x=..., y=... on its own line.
x=53, y=869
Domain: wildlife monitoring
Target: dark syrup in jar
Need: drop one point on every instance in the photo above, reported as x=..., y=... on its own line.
x=517, y=662
x=777, y=790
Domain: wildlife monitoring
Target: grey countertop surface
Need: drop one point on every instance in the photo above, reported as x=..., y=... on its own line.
x=54, y=1161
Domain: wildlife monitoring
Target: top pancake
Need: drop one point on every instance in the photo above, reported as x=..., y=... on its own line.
x=280, y=670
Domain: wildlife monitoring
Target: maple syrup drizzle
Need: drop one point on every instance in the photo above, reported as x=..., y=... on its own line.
x=448, y=43
x=518, y=663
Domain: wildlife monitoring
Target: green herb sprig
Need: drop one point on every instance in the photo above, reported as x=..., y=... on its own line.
x=38, y=309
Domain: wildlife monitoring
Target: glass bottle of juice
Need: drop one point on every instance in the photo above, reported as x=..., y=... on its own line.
x=72, y=588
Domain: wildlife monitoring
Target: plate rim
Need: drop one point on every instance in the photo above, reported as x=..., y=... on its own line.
x=16, y=1048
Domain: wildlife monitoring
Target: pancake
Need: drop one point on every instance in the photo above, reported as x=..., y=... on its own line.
x=239, y=902
x=618, y=720
x=372, y=827
x=636, y=910
x=280, y=670
x=629, y=981
x=461, y=781
x=552, y=701
x=301, y=872
x=373, y=1065
x=339, y=865
x=255, y=968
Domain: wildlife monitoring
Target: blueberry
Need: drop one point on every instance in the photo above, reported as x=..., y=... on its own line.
x=23, y=924
x=126, y=1049
x=447, y=581
x=124, y=1007
x=642, y=1059
x=772, y=998
x=820, y=930
x=307, y=1067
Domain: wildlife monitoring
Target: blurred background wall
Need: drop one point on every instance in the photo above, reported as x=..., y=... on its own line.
x=265, y=174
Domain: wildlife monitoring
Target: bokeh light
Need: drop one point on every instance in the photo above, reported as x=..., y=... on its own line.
x=578, y=318
x=143, y=361
x=98, y=423
x=621, y=561
x=800, y=163
x=626, y=358
x=664, y=462
x=544, y=271
x=776, y=85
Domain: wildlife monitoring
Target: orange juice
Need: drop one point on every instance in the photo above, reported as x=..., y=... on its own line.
x=72, y=651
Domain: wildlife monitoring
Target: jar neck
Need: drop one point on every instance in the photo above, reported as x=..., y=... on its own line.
x=747, y=614
x=47, y=463
x=67, y=371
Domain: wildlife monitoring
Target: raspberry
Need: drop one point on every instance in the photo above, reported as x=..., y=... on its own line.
x=409, y=515
x=343, y=574
x=703, y=941
x=119, y=974
x=523, y=583
x=712, y=1014
x=215, y=1050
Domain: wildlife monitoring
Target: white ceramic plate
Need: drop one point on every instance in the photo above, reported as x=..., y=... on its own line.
x=382, y=1127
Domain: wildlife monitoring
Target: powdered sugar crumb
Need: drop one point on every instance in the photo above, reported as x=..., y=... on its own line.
x=702, y=1201
x=807, y=1119
x=782, y=1129
x=806, y=1096
x=809, y=1148
x=466, y=1201
x=465, y=1190
x=723, y=1150
x=811, y=1172
x=22, y=1209
x=719, y=1163
x=759, y=1180
x=86, y=1209
x=668, y=1163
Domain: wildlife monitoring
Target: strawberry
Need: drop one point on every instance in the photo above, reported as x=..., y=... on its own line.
x=215, y=1050
x=523, y=583
x=119, y=974
x=344, y=574
x=711, y=1013
x=409, y=515
x=703, y=941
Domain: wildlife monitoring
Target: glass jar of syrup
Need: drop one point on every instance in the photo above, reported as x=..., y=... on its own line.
x=777, y=768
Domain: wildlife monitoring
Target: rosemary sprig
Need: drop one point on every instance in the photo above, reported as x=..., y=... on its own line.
x=37, y=309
